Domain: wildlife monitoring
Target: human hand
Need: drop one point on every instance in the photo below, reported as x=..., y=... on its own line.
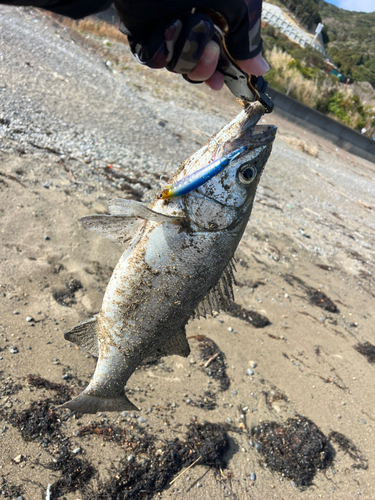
x=205, y=70
x=178, y=36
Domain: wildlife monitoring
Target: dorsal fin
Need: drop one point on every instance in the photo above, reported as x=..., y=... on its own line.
x=84, y=335
x=220, y=295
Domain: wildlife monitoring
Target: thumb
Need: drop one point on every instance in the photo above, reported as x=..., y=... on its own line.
x=256, y=66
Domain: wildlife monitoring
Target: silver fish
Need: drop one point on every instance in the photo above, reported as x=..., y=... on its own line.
x=178, y=263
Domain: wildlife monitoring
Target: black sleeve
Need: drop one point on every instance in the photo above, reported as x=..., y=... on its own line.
x=75, y=9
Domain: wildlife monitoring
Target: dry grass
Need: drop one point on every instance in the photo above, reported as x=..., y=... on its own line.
x=93, y=26
x=291, y=79
x=301, y=145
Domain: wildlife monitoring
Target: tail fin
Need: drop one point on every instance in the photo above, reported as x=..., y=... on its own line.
x=89, y=403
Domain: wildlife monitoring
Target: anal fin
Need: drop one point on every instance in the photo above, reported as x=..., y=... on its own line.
x=178, y=344
x=84, y=335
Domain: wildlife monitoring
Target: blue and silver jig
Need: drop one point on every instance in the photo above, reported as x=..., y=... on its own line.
x=200, y=177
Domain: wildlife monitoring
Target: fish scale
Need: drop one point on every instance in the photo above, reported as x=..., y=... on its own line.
x=178, y=263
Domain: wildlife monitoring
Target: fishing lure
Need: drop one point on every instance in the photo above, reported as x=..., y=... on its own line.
x=200, y=177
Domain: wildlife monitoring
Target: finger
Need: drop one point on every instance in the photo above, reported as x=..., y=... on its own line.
x=216, y=81
x=256, y=66
x=207, y=63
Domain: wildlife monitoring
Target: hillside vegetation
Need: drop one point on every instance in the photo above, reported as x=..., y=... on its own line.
x=302, y=73
x=349, y=37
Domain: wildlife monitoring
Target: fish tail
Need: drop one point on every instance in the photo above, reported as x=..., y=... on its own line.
x=91, y=403
x=106, y=390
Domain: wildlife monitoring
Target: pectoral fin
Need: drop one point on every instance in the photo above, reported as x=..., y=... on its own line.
x=131, y=208
x=117, y=228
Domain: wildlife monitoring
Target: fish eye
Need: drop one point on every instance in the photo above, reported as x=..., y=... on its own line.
x=247, y=173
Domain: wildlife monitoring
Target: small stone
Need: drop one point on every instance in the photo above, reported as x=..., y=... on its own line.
x=293, y=484
x=130, y=458
x=234, y=392
x=124, y=413
x=18, y=459
x=29, y=319
x=132, y=415
x=199, y=485
x=250, y=371
x=47, y=237
x=15, y=312
x=252, y=364
x=14, y=350
x=20, y=498
x=230, y=329
x=252, y=476
x=188, y=401
x=76, y=450
x=142, y=420
x=338, y=416
x=65, y=376
x=229, y=420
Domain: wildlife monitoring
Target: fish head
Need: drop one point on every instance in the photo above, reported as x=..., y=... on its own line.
x=226, y=200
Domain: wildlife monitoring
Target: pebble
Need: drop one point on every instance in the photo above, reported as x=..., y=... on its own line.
x=14, y=350
x=130, y=458
x=252, y=476
x=132, y=415
x=18, y=459
x=124, y=413
x=76, y=450
x=188, y=401
x=199, y=485
x=230, y=329
x=229, y=420
x=142, y=420
x=234, y=392
x=250, y=371
x=293, y=484
x=29, y=319
x=252, y=364
x=47, y=237
x=65, y=377
x=15, y=312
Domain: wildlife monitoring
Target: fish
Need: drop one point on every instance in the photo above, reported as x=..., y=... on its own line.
x=178, y=263
x=198, y=178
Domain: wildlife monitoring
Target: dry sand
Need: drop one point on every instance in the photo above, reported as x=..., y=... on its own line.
x=312, y=227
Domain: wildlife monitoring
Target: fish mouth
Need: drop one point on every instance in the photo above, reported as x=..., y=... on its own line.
x=253, y=137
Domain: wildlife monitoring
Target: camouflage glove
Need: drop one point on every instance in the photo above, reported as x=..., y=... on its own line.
x=166, y=34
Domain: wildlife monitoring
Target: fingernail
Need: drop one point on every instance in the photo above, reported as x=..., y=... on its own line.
x=264, y=65
x=211, y=52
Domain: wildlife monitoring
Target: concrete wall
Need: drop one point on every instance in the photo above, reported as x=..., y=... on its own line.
x=341, y=135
